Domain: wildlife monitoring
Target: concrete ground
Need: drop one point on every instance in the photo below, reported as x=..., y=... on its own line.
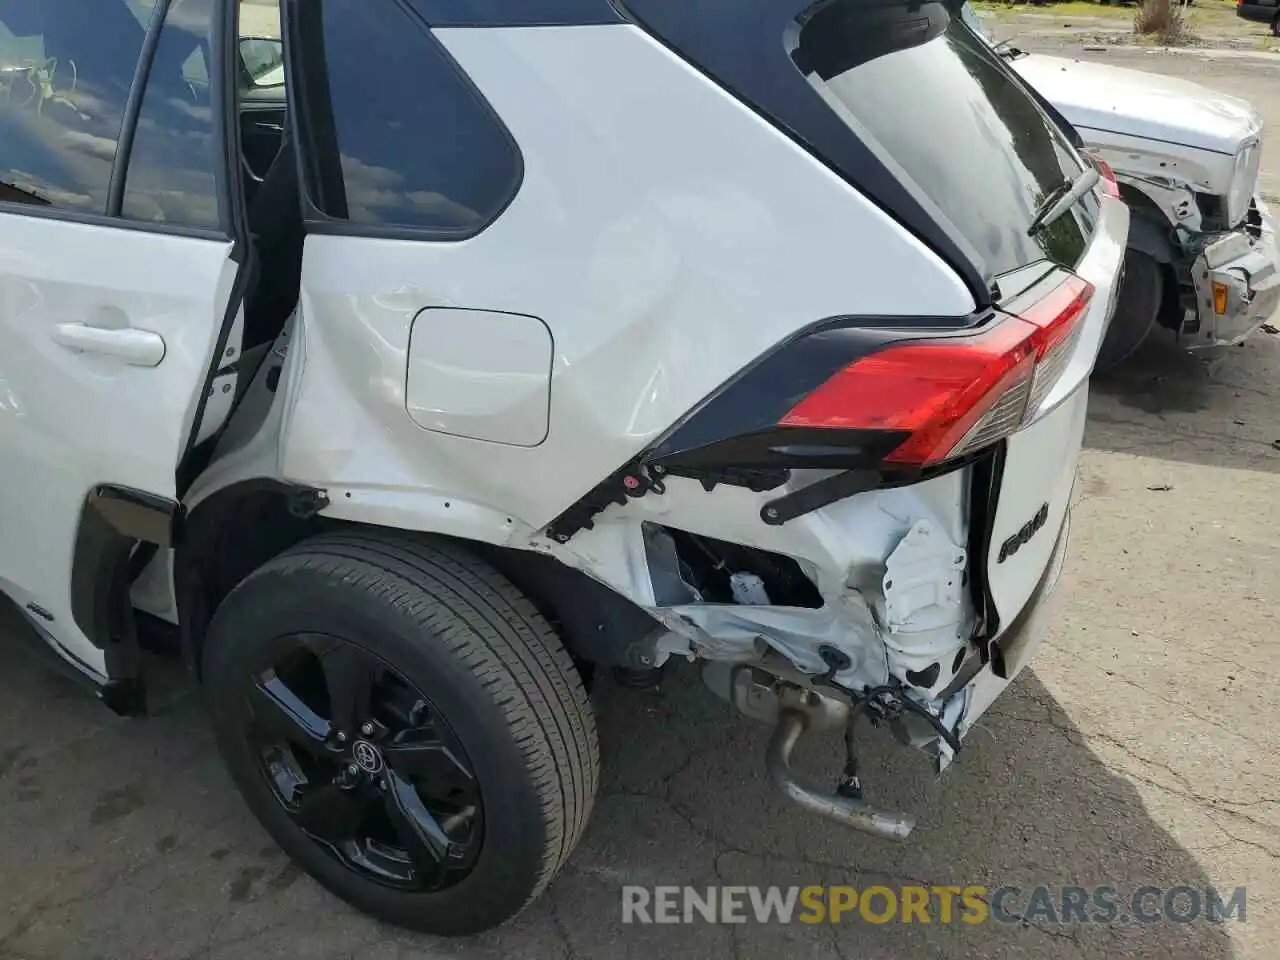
x=1135, y=751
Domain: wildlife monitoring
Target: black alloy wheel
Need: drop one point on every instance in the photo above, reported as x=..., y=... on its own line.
x=406, y=726
x=364, y=764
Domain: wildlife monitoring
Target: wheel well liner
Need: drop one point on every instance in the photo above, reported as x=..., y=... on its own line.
x=1149, y=229
x=595, y=623
x=239, y=528
x=227, y=537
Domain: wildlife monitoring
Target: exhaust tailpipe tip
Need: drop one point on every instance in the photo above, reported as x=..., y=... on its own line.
x=856, y=814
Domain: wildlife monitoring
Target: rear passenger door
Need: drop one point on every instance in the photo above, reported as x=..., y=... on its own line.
x=118, y=265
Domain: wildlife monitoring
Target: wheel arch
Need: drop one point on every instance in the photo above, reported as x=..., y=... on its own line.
x=1150, y=233
x=232, y=532
x=1149, y=229
x=119, y=530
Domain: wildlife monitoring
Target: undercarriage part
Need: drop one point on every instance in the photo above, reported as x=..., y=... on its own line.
x=889, y=705
x=689, y=568
x=643, y=678
x=762, y=695
x=796, y=710
x=126, y=697
x=851, y=811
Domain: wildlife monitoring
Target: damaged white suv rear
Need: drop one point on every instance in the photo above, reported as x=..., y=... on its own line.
x=751, y=332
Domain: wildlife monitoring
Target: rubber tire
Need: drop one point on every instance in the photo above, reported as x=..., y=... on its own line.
x=489, y=662
x=1138, y=305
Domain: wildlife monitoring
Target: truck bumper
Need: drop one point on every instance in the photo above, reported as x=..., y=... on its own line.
x=1237, y=284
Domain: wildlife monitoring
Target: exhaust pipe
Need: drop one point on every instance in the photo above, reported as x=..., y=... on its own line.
x=857, y=814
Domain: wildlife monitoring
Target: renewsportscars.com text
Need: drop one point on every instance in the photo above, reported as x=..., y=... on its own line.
x=942, y=904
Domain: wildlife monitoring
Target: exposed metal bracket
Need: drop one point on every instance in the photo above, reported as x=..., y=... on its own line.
x=630, y=483
x=305, y=502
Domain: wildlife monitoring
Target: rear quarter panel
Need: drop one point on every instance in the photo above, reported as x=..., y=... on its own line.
x=664, y=233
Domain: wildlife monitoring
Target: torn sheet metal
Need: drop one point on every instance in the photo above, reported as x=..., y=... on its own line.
x=927, y=608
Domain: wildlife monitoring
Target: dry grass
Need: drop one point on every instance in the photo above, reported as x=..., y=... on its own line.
x=1164, y=20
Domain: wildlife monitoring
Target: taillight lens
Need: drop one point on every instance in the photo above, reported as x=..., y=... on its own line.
x=1057, y=321
x=1109, y=182
x=954, y=396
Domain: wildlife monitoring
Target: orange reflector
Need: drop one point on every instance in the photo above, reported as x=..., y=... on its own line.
x=1219, y=298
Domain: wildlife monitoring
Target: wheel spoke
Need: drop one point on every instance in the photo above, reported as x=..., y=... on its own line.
x=279, y=711
x=425, y=841
x=329, y=812
x=420, y=754
x=361, y=762
x=349, y=674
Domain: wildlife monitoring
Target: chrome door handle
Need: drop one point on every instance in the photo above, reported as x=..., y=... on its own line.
x=139, y=348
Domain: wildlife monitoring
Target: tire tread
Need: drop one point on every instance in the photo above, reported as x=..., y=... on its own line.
x=498, y=635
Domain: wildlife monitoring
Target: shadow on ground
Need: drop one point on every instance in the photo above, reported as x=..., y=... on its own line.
x=125, y=839
x=1168, y=404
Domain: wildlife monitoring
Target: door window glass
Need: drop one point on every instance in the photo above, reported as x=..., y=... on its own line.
x=416, y=145
x=65, y=71
x=173, y=170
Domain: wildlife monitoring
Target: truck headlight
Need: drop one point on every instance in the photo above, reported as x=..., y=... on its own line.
x=1244, y=182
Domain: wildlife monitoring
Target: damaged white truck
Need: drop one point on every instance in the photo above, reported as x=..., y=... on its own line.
x=595, y=333
x=1203, y=257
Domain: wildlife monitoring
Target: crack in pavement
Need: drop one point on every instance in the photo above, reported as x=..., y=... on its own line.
x=1217, y=804
x=1182, y=706
x=721, y=846
x=1170, y=433
x=1248, y=843
x=561, y=927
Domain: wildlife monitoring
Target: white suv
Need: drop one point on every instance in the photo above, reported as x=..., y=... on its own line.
x=419, y=362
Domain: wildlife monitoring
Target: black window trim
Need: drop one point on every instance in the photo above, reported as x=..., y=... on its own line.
x=517, y=13
x=229, y=212
x=312, y=122
x=133, y=109
x=233, y=214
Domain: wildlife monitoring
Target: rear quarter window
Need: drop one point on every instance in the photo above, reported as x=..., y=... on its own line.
x=404, y=141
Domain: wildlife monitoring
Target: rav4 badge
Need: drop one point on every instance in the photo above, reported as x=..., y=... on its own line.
x=1029, y=530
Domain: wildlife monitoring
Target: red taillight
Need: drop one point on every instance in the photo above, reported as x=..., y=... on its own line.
x=1109, y=182
x=953, y=396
